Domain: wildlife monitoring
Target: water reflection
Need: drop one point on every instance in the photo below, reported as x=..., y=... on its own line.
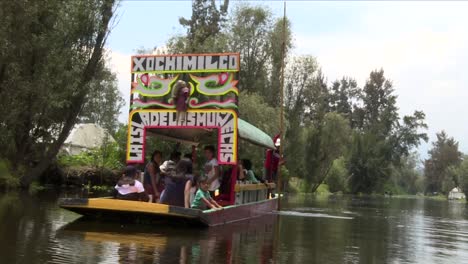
x=309, y=230
x=142, y=244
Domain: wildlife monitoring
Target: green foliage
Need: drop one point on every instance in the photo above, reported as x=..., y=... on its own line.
x=325, y=142
x=322, y=189
x=406, y=178
x=368, y=165
x=460, y=174
x=51, y=57
x=35, y=187
x=443, y=155
x=258, y=37
x=107, y=156
x=337, y=177
x=203, y=29
x=380, y=140
x=302, y=91
x=120, y=137
x=255, y=110
x=103, y=104
x=7, y=180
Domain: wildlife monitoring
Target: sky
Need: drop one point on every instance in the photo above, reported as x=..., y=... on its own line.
x=422, y=47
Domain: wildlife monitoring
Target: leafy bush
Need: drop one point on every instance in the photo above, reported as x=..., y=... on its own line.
x=7, y=180
x=35, y=187
x=107, y=156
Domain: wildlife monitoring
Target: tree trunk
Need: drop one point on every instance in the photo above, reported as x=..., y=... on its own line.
x=324, y=176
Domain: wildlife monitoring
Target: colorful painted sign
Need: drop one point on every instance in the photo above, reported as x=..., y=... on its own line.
x=225, y=121
x=224, y=62
x=212, y=99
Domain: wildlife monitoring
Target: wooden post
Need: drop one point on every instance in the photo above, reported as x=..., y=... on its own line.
x=283, y=54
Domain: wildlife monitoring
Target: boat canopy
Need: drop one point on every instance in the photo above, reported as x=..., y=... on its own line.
x=254, y=135
x=193, y=136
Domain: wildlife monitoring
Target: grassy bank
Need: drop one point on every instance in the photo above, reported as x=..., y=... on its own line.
x=299, y=186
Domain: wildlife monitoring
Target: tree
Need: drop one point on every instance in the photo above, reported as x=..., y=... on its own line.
x=248, y=34
x=342, y=94
x=280, y=45
x=379, y=105
x=460, y=174
x=301, y=81
x=204, y=29
x=380, y=139
x=442, y=156
x=406, y=178
x=50, y=58
x=325, y=143
x=259, y=39
x=103, y=104
x=255, y=110
x=337, y=176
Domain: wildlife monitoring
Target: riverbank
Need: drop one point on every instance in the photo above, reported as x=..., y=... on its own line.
x=298, y=186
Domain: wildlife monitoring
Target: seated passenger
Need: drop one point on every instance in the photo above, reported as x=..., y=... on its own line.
x=175, y=183
x=203, y=198
x=249, y=175
x=188, y=156
x=168, y=167
x=190, y=190
x=128, y=188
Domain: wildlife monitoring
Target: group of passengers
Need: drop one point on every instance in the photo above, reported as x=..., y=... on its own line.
x=173, y=182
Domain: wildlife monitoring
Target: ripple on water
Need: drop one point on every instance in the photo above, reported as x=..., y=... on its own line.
x=315, y=215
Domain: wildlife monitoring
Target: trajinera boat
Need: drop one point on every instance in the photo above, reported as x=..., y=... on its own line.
x=212, y=114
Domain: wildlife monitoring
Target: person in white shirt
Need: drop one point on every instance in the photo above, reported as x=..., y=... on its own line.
x=129, y=188
x=212, y=169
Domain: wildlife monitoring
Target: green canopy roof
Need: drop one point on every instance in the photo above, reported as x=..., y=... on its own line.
x=254, y=135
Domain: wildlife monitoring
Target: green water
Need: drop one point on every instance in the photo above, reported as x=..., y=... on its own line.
x=309, y=230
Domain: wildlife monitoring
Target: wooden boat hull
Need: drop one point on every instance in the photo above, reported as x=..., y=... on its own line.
x=142, y=212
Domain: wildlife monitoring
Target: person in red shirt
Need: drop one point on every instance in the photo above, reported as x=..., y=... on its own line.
x=273, y=160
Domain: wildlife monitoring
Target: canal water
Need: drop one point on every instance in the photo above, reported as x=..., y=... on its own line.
x=310, y=229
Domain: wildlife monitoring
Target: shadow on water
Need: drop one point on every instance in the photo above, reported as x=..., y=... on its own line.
x=310, y=229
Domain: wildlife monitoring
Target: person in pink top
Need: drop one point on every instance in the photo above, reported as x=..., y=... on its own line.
x=180, y=94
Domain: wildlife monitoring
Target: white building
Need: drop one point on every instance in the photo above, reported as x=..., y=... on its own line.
x=85, y=137
x=456, y=194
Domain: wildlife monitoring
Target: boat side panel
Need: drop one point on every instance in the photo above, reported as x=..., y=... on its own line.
x=94, y=205
x=241, y=212
x=136, y=211
x=135, y=217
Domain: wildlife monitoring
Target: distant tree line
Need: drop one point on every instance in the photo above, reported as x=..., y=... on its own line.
x=348, y=136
